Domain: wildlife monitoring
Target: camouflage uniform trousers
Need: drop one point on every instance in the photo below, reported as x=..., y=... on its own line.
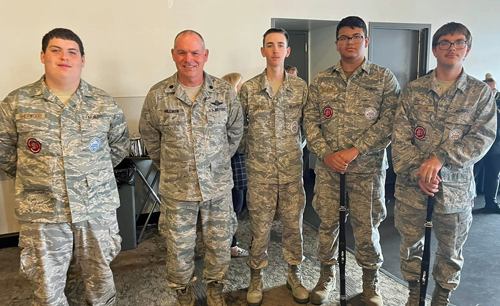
x=262, y=200
x=451, y=232
x=47, y=250
x=367, y=209
x=177, y=225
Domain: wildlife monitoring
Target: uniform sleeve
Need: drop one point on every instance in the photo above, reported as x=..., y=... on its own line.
x=476, y=143
x=316, y=143
x=149, y=128
x=244, y=107
x=8, y=138
x=234, y=125
x=378, y=136
x=118, y=136
x=305, y=96
x=303, y=140
x=406, y=157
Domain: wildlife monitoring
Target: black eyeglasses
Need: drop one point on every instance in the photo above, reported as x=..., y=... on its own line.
x=355, y=39
x=445, y=45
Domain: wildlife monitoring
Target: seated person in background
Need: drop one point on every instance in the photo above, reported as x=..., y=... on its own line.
x=291, y=70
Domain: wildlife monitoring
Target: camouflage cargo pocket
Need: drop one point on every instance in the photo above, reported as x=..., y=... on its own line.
x=115, y=243
x=28, y=257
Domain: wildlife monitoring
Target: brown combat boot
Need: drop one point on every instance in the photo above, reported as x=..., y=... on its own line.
x=185, y=297
x=326, y=284
x=294, y=283
x=214, y=294
x=440, y=296
x=371, y=290
x=414, y=295
x=254, y=294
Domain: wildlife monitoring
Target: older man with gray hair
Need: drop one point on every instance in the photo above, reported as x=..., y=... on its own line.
x=192, y=124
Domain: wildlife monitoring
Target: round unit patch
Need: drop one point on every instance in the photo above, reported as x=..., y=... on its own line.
x=94, y=144
x=34, y=145
x=456, y=134
x=294, y=127
x=328, y=112
x=419, y=132
x=371, y=113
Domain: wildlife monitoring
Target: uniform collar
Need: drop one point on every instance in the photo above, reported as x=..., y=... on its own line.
x=173, y=86
x=365, y=66
x=460, y=83
x=42, y=90
x=264, y=82
x=85, y=88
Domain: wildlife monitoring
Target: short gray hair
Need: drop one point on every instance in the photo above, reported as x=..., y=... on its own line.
x=190, y=32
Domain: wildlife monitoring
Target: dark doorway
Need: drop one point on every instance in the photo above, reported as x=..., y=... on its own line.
x=311, y=42
x=299, y=55
x=403, y=48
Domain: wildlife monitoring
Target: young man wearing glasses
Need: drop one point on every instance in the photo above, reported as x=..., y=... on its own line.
x=348, y=123
x=445, y=122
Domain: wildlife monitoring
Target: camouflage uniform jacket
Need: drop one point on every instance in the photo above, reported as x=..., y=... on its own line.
x=272, y=141
x=192, y=143
x=457, y=126
x=62, y=157
x=359, y=112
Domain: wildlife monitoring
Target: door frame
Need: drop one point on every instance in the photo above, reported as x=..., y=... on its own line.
x=306, y=34
x=423, y=67
x=306, y=25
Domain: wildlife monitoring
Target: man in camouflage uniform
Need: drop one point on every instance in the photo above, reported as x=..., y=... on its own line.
x=272, y=104
x=445, y=122
x=60, y=139
x=348, y=123
x=192, y=124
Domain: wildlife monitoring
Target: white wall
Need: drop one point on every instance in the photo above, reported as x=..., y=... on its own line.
x=127, y=43
x=131, y=107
